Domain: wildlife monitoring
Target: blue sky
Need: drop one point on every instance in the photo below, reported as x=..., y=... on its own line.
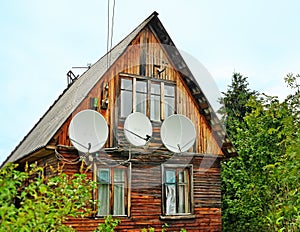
x=42, y=40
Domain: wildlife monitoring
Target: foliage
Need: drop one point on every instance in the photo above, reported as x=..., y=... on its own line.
x=151, y=229
x=164, y=229
x=261, y=186
x=31, y=201
x=234, y=103
x=109, y=225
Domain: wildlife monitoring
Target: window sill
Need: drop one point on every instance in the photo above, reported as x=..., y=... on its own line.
x=177, y=217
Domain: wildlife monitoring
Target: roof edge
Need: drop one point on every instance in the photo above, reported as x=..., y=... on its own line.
x=132, y=34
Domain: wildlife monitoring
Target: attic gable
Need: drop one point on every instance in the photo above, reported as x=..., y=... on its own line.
x=72, y=97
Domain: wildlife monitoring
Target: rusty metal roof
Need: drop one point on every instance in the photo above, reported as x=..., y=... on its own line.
x=40, y=135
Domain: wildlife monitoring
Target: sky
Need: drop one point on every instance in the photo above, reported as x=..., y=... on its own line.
x=42, y=40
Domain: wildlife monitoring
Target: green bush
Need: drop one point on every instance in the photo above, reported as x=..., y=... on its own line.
x=30, y=201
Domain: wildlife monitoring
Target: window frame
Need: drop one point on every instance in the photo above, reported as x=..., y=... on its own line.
x=149, y=81
x=127, y=190
x=177, y=215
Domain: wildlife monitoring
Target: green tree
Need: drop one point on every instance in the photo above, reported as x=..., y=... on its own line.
x=234, y=103
x=284, y=176
x=261, y=186
x=30, y=201
x=234, y=110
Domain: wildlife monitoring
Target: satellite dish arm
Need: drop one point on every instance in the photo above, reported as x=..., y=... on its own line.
x=179, y=147
x=147, y=136
x=187, y=143
x=89, y=145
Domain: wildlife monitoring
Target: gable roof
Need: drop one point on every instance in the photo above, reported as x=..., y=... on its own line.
x=40, y=135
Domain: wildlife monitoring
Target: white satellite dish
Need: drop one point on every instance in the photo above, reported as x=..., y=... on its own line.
x=137, y=129
x=178, y=133
x=88, y=131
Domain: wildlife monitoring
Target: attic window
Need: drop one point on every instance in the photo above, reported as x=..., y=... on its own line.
x=154, y=98
x=126, y=97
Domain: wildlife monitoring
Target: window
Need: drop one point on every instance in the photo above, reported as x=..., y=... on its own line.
x=155, y=102
x=169, y=100
x=113, y=190
x=177, y=190
x=126, y=97
x=154, y=98
x=141, y=96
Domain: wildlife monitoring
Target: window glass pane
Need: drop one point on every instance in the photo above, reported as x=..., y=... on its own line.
x=155, y=88
x=126, y=103
x=169, y=100
x=141, y=86
x=181, y=177
x=169, y=106
x=169, y=90
x=103, y=177
x=181, y=201
x=119, y=206
x=126, y=97
x=103, y=197
x=119, y=192
x=170, y=176
x=141, y=102
x=126, y=84
x=170, y=199
x=155, y=102
x=155, y=108
x=184, y=199
x=119, y=175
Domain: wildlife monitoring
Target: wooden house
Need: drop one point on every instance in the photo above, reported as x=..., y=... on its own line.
x=143, y=73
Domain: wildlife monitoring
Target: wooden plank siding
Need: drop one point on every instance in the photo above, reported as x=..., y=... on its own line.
x=146, y=202
x=146, y=195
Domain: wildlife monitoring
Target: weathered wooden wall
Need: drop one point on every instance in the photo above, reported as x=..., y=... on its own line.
x=146, y=192
x=129, y=63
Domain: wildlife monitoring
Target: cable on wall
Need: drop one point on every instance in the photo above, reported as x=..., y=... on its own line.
x=110, y=31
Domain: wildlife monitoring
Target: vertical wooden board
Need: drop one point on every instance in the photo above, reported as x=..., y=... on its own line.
x=113, y=103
